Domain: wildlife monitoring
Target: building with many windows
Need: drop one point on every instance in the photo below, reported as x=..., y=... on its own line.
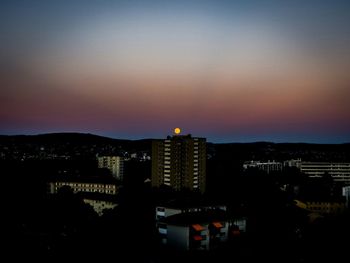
x=268, y=167
x=329, y=207
x=99, y=192
x=87, y=186
x=99, y=202
x=196, y=227
x=113, y=163
x=196, y=231
x=340, y=172
x=186, y=205
x=179, y=162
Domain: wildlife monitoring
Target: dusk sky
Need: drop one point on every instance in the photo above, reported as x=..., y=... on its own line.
x=230, y=71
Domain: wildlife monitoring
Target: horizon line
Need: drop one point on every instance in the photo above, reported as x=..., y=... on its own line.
x=154, y=138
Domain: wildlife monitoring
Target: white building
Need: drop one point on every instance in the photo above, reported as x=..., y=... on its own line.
x=100, y=194
x=183, y=225
x=100, y=202
x=194, y=230
x=114, y=163
x=292, y=163
x=173, y=209
x=265, y=166
x=84, y=186
x=340, y=172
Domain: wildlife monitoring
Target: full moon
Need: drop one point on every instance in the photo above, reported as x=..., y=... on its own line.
x=177, y=130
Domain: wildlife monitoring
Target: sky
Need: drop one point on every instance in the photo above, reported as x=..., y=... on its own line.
x=230, y=71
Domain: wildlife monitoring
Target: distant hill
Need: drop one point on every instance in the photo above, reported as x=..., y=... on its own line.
x=86, y=144
x=70, y=144
x=67, y=137
x=57, y=137
x=282, y=151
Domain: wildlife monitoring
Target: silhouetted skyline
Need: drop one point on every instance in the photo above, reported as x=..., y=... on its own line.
x=230, y=71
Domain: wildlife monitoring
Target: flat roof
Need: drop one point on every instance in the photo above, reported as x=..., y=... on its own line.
x=204, y=217
x=191, y=202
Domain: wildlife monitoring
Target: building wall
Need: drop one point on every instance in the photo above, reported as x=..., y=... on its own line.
x=340, y=172
x=241, y=223
x=113, y=163
x=188, y=238
x=292, y=163
x=346, y=193
x=157, y=163
x=99, y=205
x=179, y=162
x=162, y=232
x=218, y=233
x=326, y=207
x=224, y=232
x=322, y=207
x=163, y=212
x=84, y=187
x=202, y=162
x=205, y=235
x=178, y=237
x=265, y=166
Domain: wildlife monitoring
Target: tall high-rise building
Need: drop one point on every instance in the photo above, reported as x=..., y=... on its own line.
x=114, y=163
x=179, y=162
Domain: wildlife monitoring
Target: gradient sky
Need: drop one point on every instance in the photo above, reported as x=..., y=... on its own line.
x=226, y=70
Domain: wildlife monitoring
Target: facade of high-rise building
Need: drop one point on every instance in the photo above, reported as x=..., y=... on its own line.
x=114, y=163
x=179, y=162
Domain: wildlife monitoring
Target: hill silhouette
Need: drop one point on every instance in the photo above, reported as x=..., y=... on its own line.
x=87, y=142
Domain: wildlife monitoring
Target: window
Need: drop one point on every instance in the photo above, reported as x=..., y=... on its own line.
x=162, y=225
x=160, y=217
